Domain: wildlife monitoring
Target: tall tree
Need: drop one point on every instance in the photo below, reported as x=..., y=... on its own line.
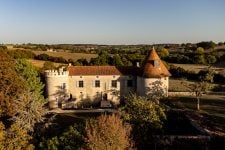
x=117, y=60
x=163, y=53
x=31, y=77
x=146, y=117
x=200, y=50
x=11, y=85
x=108, y=132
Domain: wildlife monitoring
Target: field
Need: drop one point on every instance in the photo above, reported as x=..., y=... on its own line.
x=67, y=55
x=40, y=63
x=194, y=67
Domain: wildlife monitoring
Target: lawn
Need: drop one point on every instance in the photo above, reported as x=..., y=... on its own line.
x=212, y=110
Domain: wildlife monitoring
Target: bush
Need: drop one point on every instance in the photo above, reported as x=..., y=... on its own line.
x=21, y=54
x=108, y=132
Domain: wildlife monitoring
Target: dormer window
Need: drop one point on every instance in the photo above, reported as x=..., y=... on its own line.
x=156, y=63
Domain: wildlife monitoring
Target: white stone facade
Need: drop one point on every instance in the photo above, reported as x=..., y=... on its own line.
x=81, y=86
x=75, y=90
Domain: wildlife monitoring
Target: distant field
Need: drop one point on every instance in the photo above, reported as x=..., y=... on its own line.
x=40, y=63
x=197, y=68
x=67, y=55
x=191, y=67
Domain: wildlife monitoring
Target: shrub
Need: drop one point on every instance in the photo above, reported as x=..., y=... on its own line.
x=108, y=132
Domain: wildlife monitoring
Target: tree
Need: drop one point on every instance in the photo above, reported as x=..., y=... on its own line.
x=156, y=90
x=199, y=59
x=198, y=88
x=163, y=53
x=146, y=117
x=31, y=77
x=42, y=57
x=11, y=85
x=14, y=138
x=200, y=50
x=207, y=75
x=30, y=110
x=108, y=132
x=71, y=138
x=3, y=47
x=206, y=44
x=211, y=59
x=117, y=60
x=18, y=103
x=83, y=62
x=140, y=110
x=48, y=66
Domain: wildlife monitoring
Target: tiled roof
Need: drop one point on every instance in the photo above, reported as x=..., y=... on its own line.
x=154, y=67
x=102, y=70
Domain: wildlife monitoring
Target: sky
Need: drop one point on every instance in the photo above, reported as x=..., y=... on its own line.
x=111, y=21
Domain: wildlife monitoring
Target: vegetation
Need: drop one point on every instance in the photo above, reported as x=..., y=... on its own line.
x=20, y=103
x=108, y=132
x=198, y=88
x=71, y=138
x=146, y=117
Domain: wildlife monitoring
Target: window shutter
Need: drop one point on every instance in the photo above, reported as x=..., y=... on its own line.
x=110, y=82
x=93, y=83
x=83, y=83
x=77, y=83
x=118, y=85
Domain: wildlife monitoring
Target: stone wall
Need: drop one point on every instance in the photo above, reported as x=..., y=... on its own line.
x=95, y=94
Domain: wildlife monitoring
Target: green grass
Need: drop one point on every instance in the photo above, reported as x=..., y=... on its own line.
x=212, y=108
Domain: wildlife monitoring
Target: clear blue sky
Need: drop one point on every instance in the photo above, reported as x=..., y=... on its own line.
x=111, y=21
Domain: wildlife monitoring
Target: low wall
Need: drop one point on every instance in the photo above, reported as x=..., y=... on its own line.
x=193, y=93
x=181, y=93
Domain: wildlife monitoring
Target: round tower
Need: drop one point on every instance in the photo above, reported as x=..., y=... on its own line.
x=155, y=77
x=56, y=86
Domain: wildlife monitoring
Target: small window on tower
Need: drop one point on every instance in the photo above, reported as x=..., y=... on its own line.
x=63, y=86
x=156, y=63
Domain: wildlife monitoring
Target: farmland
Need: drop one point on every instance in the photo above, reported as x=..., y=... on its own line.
x=67, y=55
x=40, y=63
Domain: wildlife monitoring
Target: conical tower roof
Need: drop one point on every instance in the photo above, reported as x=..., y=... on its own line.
x=154, y=67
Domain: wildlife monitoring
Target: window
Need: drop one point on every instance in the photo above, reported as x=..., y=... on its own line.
x=156, y=63
x=129, y=83
x=81, y=84
x=97, y=83
x=114, y=83
x=63, y=86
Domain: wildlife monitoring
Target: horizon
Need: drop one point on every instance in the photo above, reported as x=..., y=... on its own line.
x=112, y=22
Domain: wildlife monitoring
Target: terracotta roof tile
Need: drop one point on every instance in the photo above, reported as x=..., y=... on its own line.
x=154, y=67
x=102, y=70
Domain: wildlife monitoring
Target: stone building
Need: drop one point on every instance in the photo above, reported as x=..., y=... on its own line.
x=79, y=86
